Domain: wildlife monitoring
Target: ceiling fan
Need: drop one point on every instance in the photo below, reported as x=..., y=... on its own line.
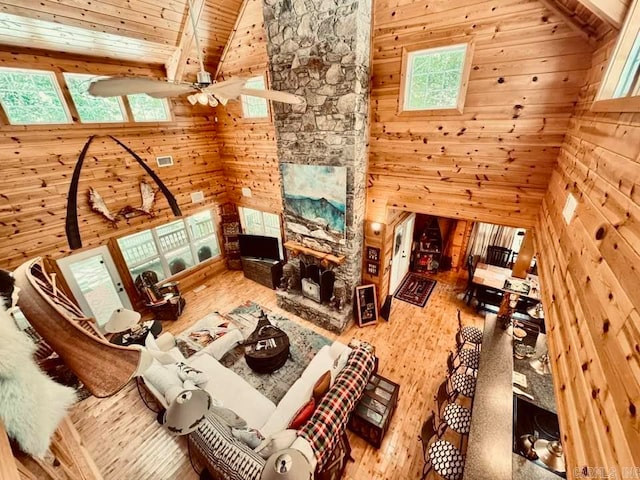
x=204, y=90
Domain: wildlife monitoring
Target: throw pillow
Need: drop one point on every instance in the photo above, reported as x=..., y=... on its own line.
x=250, y=436
x=303, y=414
x=219, y=347
x=276, y=442
x=322, y=386
x=185, y=372
x=229, y=417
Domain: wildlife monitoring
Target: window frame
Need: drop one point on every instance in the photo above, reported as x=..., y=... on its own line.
x=629, y=34
x=267, y=118
x=57, y=87
x=243, y=223
x=132, y=116
x=162, y=256
x=121, y=100
x=464, y=80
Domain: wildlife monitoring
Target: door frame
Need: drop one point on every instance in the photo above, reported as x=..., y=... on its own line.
x=64, y=264
x=404, y=252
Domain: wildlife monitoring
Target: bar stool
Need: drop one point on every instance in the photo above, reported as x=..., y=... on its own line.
x=455, y=416
x=468, y=357
x=469, y=334
x=463, y=384
x=441, y=455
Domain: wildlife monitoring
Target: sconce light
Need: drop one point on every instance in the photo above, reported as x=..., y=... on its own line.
x=376, y=228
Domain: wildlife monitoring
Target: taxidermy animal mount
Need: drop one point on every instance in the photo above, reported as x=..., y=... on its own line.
x=98, y=205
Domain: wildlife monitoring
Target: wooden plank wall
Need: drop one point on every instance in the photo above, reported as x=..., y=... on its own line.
x=493, y=162
x=248, y=148
x=590, y=271
x=37, y=164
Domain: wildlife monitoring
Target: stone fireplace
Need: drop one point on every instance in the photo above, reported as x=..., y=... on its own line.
x=319, y=49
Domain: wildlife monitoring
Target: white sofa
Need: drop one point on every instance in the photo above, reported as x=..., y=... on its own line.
x=231, y=391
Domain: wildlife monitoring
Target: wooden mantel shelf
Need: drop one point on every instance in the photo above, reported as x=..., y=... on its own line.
x=296, y=248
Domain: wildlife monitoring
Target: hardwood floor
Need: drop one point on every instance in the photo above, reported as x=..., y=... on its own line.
x=127, y=443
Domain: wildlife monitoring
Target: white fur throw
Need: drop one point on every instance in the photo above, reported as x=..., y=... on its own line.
x=31, y=404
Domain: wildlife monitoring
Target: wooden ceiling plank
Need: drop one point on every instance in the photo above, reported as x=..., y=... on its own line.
x=569, y=20
x=231, y=37
x=99, y=22
x=177, y=61
x=609, y=11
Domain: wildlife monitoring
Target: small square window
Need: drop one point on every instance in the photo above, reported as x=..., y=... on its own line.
x=435, y=78
x=31, y=97
x=620, y=86
x=93, y=109
x=148, y=109
x=255, y=107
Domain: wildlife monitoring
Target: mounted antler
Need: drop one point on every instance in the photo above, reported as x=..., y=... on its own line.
x=97, y=205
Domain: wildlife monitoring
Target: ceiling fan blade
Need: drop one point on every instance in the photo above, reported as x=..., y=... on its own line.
x=274, y=95
x=117, y=86
x=230, y=89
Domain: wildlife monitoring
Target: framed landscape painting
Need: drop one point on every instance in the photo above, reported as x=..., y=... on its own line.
x=315, y=198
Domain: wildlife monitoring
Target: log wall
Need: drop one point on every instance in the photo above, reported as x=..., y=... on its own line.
x=248, y=146
x=590, y=270
x=38, y=161
x=493, y=162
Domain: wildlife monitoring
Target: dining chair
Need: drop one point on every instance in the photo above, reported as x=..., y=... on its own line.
x=468, y=294
x=499, y=256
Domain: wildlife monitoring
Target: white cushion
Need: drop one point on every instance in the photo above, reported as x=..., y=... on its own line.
x=218, y=348
x=276, y=442
x=233, y=391
x=161, y=377
x=171, y=355
x=299, y=393
x=249, y=436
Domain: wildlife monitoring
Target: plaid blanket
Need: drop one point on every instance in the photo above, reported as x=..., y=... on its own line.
x=329, y=421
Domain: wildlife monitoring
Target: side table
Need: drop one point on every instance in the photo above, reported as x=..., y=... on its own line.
x=127, y=338
x=372, y=415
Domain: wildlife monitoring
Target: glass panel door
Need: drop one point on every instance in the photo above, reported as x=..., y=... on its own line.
x=94, y=280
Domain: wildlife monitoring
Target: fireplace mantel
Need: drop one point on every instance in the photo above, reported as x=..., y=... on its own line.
x=324, y=257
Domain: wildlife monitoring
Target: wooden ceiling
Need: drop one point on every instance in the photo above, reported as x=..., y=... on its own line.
x=159, y=32
x=144, y=31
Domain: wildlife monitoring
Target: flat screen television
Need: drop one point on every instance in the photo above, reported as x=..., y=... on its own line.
x=258, y=246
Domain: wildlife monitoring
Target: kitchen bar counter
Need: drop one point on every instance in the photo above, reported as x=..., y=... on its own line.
x=490, y=439
x=489, y=452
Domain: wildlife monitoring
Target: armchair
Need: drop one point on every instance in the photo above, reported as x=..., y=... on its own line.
x=165, y=301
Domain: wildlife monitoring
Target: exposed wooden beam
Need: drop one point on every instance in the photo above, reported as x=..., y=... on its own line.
x=569, y=20
x=176, y=63
x=609, y=11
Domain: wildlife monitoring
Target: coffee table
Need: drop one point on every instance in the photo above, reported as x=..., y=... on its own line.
x=267, y=348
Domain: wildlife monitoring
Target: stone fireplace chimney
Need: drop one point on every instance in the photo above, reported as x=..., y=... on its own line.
x=320, y=49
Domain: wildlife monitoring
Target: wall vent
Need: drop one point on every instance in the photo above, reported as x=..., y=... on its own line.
x=197, y=197
x=165, y=161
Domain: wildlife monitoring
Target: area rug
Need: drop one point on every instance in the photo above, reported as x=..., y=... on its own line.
x=304, y=344
x=415, y=289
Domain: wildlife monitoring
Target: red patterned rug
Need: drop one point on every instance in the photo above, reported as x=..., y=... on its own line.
x=415, y=289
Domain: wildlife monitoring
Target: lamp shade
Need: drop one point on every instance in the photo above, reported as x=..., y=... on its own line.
x=187, y=408
x=288, y=464
x=536, y=311
x=121, y=319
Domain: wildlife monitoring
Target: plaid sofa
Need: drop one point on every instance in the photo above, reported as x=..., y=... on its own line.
x=213, y=447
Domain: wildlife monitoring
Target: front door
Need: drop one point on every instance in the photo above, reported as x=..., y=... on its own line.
x=402, y=242
x=95, y=283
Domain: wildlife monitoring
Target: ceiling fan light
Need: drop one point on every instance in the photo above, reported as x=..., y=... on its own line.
x=213, y=102
x=223, y=100
x=193, y=99
x=203, y=98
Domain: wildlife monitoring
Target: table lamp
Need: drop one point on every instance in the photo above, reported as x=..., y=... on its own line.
x=288, y=464
x=536, y=311
x=121, y=320
x=188, y=406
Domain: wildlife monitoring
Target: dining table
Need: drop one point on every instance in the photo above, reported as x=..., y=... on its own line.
x=500, y=278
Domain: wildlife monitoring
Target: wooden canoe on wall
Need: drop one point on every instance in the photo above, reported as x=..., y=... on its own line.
x=103, y=367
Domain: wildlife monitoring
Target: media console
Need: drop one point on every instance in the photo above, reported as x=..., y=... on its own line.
x=265, y=272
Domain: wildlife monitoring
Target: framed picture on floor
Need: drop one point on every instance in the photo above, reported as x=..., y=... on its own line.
x=366, y=305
